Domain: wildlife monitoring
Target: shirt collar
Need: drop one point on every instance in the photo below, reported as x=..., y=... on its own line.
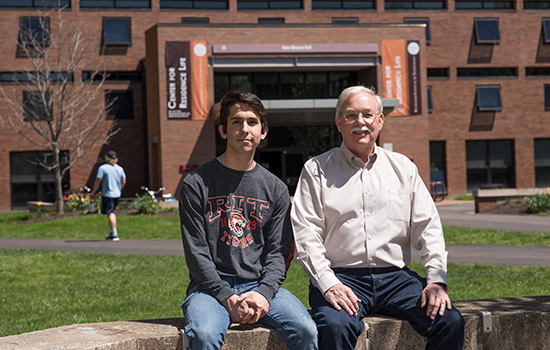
x=355, y=161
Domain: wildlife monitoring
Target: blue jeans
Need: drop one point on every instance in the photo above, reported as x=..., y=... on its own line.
x=207, y=320
x=388, y=292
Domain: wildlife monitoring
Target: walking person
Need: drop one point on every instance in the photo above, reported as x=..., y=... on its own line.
x=112, y=178
x=357, y=213
x=237, y=238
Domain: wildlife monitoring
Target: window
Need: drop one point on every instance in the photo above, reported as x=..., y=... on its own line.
x=542, y=162
x=489, y=163
x=292, y=85
x=488, y=98
x=195, y=20
x=33, y=78
x=414, y=5
x=36, y=106
x=546, y=97
x=430, y=102
x=342, y=4
x=425, y=21
x=269, y=5
x=129, y=4
x=484, y=5
x=31, y=182
x=438, y=73
x=536, y=5
x=438, y=162
x=486, y=30
x=195, y=4
x=344, y=20
x=35, y=3
x=119, y=104
x=116, y=31
x=486, y=72
x=531, y=72
x=274, y=20
x=34, y=31
x=113, y=76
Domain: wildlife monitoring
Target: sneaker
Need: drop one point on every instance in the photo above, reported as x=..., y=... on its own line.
x=112, y=238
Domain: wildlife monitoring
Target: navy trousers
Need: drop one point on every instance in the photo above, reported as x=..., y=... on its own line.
x=389, y=292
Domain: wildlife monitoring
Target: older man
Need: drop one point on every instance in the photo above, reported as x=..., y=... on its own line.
x=358, y=210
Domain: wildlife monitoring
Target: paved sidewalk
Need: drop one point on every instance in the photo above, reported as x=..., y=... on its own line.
x=453, y=213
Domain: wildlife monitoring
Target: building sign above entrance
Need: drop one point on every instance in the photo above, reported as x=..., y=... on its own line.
x=294, y=48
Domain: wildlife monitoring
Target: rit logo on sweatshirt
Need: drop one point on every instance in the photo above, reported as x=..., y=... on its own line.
x=236, y=230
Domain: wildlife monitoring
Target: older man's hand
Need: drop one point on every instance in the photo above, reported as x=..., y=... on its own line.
x=436, y=299
x=342, y=297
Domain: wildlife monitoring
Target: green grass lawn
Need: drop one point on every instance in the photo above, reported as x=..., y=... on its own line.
x=43, y=289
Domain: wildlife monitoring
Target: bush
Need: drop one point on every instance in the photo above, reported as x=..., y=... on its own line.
x=145, y=204
x=538, y=202
x=82, y=202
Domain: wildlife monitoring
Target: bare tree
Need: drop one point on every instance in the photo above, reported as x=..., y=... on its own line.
x=48, y=104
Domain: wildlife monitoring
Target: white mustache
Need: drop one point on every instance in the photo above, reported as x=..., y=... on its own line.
x=361, y=129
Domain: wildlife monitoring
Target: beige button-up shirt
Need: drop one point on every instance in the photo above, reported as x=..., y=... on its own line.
x=354, y=215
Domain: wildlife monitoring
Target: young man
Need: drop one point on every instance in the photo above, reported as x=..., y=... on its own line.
x=237, y=238
x=113, y=179
x=357, y=212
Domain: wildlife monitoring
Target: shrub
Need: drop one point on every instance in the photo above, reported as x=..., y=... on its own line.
x=538, y=202
x=145, y=204
x=82, y=202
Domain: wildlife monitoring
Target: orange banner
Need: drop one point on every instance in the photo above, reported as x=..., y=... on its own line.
x=199, y=80
x=401, y=75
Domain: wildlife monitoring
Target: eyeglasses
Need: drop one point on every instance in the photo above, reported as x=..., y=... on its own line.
x=354, y=116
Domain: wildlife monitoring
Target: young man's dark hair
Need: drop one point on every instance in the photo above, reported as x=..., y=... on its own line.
x=250, y=99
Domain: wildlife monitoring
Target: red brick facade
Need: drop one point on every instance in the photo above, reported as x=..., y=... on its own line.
x=152, y=149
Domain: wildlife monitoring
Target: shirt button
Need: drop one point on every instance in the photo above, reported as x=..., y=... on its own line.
x=368, y=214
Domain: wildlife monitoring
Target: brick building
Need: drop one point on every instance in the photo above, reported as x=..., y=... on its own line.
x=450, y=109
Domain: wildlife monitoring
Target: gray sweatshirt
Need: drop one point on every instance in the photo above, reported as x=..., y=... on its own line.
x=235, y=224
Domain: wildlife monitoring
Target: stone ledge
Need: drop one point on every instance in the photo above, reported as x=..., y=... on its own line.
x=486, y=199
x=517, y=323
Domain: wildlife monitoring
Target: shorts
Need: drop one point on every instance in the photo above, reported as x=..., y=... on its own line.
x=108, y=205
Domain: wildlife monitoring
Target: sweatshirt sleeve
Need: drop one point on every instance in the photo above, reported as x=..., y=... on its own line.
x=279, y=246
x=195, y=242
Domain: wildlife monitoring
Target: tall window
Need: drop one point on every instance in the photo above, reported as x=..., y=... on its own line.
x=542, y=162
x=490, y=164
x=31, y=182
x=120, y=104
x=430, y=101
x=547, y=97
x=36, y=106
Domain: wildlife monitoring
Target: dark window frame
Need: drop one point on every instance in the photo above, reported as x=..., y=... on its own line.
x=116, y=4
x=195, y=20
x=408, y=5
x=536, y=5
x=438, y=73
x=419, y=20
x=271, y=20
x=41, y=24
x=34, y=108
x=194, y=5
x=36, y=4
x=486, y=72
x=483, y=93
x=121, y=42
x=430, y=100
x=547, y=97
x=488, y=5
x=271, y=5
x=343, y=5
x=542, y=166
x=345, y=20
x=480, y=27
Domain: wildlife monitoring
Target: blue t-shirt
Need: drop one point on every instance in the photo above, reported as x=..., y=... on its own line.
x=111, y=180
